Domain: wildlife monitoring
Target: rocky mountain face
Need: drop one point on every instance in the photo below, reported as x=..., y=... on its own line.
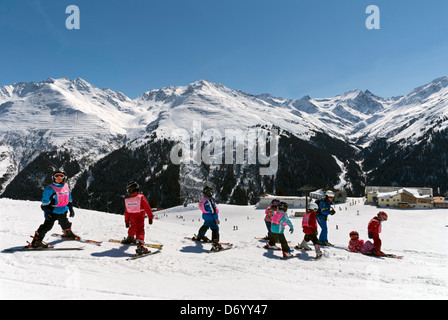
x=175, y=140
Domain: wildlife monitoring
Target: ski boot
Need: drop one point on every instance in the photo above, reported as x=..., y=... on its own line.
x=200, y=238
x=318, y=251
x=129, y=240
x=141, y=249
x=68, y=234
x=268, y=246
x=216, y=246
x=303, y=246
x=287, y=254
x=37, y=241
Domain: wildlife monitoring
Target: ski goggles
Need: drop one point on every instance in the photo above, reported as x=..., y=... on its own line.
x=59, y=175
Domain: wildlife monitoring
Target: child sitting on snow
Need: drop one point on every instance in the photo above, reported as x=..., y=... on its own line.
x=357, y=245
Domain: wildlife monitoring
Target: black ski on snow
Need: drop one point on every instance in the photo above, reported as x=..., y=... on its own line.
x=265, y=240
x=143, y=255
x=57, y=235
x=49, y=248
x=387, y=255
x=224, y=247
x=209, y=241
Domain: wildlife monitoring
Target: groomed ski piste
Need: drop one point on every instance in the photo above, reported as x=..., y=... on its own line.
x=184, y=269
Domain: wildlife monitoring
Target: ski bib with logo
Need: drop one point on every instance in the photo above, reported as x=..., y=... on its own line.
x=62, y=195
x=133, y=204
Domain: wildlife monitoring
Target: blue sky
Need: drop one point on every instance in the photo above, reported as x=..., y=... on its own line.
x=289, y=48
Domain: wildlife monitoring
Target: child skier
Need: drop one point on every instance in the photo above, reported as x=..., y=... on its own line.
x=136, y=207
x=211, y=220
x=357, y=245
x=309, y=225
x=56, y=202
x=279, y=220
x=270, y=211
x=374, y=230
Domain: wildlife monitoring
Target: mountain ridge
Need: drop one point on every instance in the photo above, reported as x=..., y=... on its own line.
x=88, y=126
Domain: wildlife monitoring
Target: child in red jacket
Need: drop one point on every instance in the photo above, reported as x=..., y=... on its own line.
x=136, y=208
x=309, y=224
x=374, y=230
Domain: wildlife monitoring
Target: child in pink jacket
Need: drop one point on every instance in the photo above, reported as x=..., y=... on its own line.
x=357, y=245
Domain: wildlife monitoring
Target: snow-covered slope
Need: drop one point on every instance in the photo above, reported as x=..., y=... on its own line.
x=184, y=269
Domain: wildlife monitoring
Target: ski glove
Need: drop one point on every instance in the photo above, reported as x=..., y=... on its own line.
x=217, y=221
x=291, y=230
x=72, y=212
x=47, y=211
x=150, y=221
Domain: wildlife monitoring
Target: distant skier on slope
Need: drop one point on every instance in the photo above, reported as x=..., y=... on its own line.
x=374, y=230
x=324, y=211
x=211, y=219
x=136, y=208
x=56, y=202
x=309, y=225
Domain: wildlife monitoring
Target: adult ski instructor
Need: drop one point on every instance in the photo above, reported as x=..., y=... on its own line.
x=56, y=203
x=324, y=210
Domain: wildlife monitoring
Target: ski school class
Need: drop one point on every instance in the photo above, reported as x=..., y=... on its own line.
x=57, y=203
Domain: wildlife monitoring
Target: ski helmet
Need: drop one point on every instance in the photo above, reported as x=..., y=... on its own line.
x=59, y=174
x=382, y=216
x=275, y=203
x=330, y=193
x=132, y=187
x=207, y=191
x=313, y=206
x=283, y=206
x=354, y=235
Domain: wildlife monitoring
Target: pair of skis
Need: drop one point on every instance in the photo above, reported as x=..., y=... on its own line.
x=156, y=246
x=223, y=245
x=53, y=248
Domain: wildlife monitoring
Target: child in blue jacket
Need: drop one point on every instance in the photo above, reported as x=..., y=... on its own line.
x=56, y=203
x=211, y=220
x=279, y=221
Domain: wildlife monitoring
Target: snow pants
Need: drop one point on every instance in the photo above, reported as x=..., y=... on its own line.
x=376, y=241
x=268, y=225
x=137, y=227
x=322, y=221
x=210, y=224
x=279, y=237
x=312, y=238
x=49, y=223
